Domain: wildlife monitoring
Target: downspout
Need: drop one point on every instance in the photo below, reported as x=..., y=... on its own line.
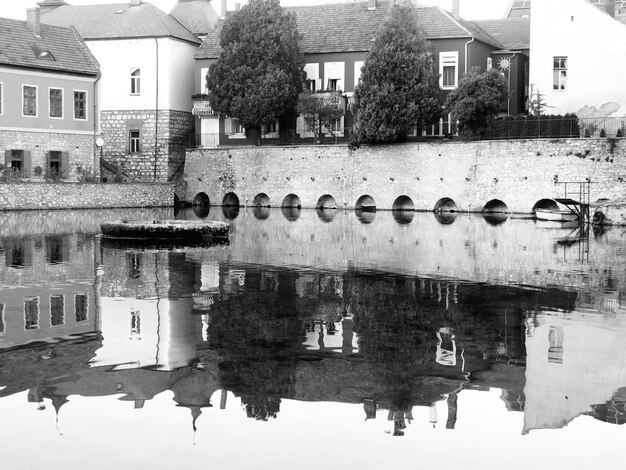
x=95, y=127
x=156, y=111
x=508, y=101
x=467, y=54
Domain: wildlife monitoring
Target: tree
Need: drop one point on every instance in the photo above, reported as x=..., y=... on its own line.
x=477, y=100
x=260, y=71
x=398, y=89
x=319, y=111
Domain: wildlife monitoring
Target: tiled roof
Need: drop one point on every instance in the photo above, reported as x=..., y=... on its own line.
x=116, y=21
x=18, y=47
x=512, y=33
x=198, y=16
x=350, y=27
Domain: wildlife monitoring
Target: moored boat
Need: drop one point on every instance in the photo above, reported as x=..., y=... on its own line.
x=558, y=215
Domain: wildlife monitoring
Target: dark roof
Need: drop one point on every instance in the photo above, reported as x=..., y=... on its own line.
x=350, y=27
x=512, y=33
x=19, y=47
x=198, y=16
x=116, y=21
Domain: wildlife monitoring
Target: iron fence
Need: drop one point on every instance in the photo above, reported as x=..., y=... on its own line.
x=554, y=127
x=288, y=137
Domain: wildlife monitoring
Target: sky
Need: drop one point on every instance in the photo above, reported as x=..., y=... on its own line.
x=470, y=9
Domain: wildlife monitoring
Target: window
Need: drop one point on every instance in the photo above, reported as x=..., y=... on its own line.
x=54, y=162
x=310, y=84
x=448, y=65
x=271, y=129
x=204, y=86
x=555, y=350
x=313, y=81
x=358, y=70
x=334, y=75
x=31, y=313
x=134, y=141
x=333, y=84
x=560, y=73
x=80, y=307
x=80, y=105
x=135, y=324
x=2, y=324
x=17, y=160
x=56, y=103
x=135, y=81
x=29, y=100
x=57, y=249
x=234, y=129
x=1, y=98
x=57, y=310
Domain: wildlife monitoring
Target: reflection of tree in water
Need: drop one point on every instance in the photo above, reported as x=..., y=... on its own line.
x=257, y=336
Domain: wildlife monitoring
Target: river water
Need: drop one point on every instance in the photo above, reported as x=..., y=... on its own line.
x=312, y=340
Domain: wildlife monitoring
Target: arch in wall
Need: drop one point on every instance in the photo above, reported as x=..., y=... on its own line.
x=445, y=204
x=365, y=216
x=230, y=200
x=291, y=213
x=545, y=204
x=201, y=211
x=365, y=203
x=326, y=202
x=403, y=217
x=230, y=212
x=261, y=200
x=201, y=200
x=326, y=215
x=291, y=200
x=495, y=206
x=403, y=203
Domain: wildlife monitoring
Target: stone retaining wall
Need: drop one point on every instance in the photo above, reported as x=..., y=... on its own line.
x=518, y=173
x=27, y=196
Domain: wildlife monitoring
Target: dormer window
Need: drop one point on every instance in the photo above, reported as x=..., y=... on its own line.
x=41, y=53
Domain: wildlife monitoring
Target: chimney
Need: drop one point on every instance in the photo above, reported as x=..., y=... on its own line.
x=609, y=7
x=33, y=20
x=371, y=5
x=223, y=9
x=456, y=8
x=135, y=3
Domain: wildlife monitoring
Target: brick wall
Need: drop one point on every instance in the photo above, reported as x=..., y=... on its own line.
x=26, y=196
x=80, y=148
x=173, y=129
x=518, y=173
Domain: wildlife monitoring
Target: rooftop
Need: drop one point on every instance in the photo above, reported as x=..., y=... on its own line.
x=512, y=33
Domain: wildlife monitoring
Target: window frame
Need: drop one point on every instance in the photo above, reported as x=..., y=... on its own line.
x=86, y=306
x=37, y=325
x=3, y=324
x=449, y=59
x=134, y=142
x=36, y=88
x=50, y=90
x=62, y=297
x=86, y=106
x=559, y=73
x=135, y=81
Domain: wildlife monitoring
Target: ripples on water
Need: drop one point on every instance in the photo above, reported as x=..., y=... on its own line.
x=313, y=339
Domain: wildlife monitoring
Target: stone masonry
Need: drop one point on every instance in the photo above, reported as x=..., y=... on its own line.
x=172, y=134
x=517, y=173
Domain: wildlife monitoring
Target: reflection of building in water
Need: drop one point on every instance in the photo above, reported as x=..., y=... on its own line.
x=48, y=288
x=146, y=310
x=575, y=365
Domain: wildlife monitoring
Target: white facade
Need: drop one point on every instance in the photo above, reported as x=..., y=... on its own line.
x=174, y=79
x=577, y=60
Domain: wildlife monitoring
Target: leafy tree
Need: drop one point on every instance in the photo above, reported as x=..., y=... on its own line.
x=398, y=89
x=477, y=100
x=319, y=110
x=260, y=71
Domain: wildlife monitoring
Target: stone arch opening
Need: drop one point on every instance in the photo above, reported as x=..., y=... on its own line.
x=403, y=217
x=291, y=200
x=446, y=204
x=201, y=211
x=545, y=204
x=326, y=202
x=326, y=215
x=230, y=200
x=261, y=200
x=446, y=218
x=201, y=200
x=366, y=203
x=403, y=203
x=495, y=206
x=365, y=217
x=495, y=218
x=261, y=212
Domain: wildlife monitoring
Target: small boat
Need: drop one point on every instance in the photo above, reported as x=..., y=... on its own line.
x=180, y=231
x=557, y=215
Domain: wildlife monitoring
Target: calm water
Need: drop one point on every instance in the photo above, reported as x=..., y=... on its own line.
x=312, y=340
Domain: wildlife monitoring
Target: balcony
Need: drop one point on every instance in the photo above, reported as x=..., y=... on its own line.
x=201, y=106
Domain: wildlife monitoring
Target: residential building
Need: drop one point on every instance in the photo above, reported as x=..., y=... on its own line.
x=570, y=66
x=336, y=39
x=198, y=16
x=146, y=59
x=48, y=89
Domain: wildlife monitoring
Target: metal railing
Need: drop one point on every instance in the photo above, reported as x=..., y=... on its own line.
x=554, y=127
x=288, y=137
